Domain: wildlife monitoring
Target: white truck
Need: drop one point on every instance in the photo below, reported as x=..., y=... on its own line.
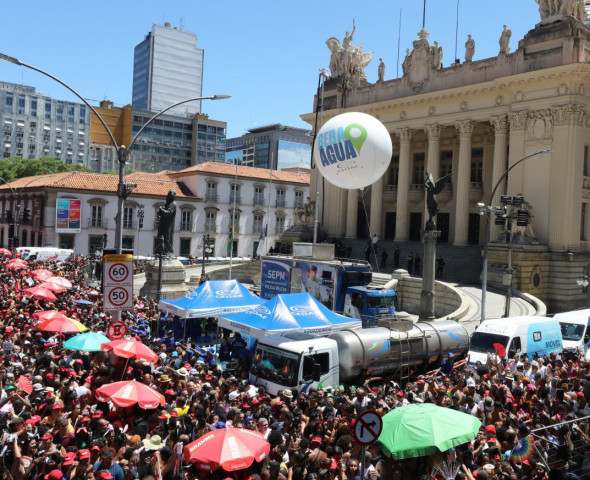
x=45, y=254
x=575, y=331
x=299, y=360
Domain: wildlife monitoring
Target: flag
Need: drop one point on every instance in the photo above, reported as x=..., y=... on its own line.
x=230, y=239
x=261, y=250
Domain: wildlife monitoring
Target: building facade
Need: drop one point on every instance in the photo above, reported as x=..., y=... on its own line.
x=204, y=197
x=476, y=119
x=208, y=140
x=274, y=146
x=167, y=68
x=34, y=126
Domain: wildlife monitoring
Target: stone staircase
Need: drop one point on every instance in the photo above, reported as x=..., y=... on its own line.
x=462, y=264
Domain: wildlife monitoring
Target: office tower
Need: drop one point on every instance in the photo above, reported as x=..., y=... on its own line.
x=167, y=68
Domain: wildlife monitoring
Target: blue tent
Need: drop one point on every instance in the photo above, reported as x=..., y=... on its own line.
x=211, y=299
x=287, y=312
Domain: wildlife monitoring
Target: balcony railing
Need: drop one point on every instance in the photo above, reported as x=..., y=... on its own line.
x=257, y=229
x=235, y=198
x=259, y=200
x=187, y=227
x=390, y=189
x=279, y=229
x=97, y=223
x=281, y=203
x=130, y=225
x=210, y=227
x=211, y=197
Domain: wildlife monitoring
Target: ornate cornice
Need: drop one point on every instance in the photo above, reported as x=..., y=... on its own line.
x=465, y=128
x=404, y=134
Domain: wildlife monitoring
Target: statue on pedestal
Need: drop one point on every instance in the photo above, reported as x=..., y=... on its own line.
x=381, y=71
x=571, y=8
x=433, y=188
x=469, y=49
x=166, y=217
x=505, y=41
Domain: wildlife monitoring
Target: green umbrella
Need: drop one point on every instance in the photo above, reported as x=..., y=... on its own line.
x=422, y=428
x=87, y=342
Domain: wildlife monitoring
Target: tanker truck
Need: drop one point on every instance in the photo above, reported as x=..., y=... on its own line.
x=300, y=360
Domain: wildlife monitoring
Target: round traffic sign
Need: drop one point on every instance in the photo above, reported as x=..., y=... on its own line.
x=118, y=296
x=118, y=272
x=117, y=330
x=368, y=427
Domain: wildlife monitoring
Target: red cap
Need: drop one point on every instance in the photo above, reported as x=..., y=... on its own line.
x=33, y=420
x=255, y=401
x=421, y=382
x=188, y=365
x=106, y=475
x=279, y=404
x=50, y=375
x=580, y=395
x=491, y=430
x=97, y=414
x=54, y=475
x=69, y=458
x=169, y=392
x=491, y=440
x=85, y=419
x=96, y=447
x=82, y=454
x=47, y=436
x=400, y=394
x=57, y=406
x=246, y=406
x=316, y=440
x=174, y=413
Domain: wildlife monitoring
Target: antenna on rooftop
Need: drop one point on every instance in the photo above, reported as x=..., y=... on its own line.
x=181, y=24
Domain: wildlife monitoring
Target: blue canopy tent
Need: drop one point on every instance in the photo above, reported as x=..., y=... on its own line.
x=211, y=299
x=287, y=312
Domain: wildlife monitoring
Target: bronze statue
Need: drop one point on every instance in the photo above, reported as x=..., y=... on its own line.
x=166, y=216
x=433, y=189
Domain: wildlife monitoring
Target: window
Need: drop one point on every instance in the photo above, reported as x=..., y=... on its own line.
x=210, y=220
x=21, y=104
x=59, y=112
x=583, y=222
x=235, y=221
x=323, y=360
x=48, y=109
x=280, y=224
x=128, y=242
x=298, y=198
x=128, y=218
x=477, y=165
x=9, y=100
x=186, y=222
x=393, y=173
x=82, y=114
x=537, y=336
x=71, y=113
x=211, y=195
x=33, y=107
x=586, y=166
x=258, y=222
x=234, y=195
x=446, y=162
x=281, y=197
x=418, y=178
x=258, y=195
x=96, y=219
x=185, y=247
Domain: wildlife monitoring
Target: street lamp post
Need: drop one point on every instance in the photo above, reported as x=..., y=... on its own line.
x=487, y=209
x=206, y=251
x=140, y=214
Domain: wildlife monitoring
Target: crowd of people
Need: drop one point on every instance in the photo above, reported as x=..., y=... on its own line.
x=60, y=430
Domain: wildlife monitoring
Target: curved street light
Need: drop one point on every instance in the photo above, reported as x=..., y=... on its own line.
x=484, y=276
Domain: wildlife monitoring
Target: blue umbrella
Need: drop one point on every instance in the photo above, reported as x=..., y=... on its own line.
x=83, y=301
x=87, y=342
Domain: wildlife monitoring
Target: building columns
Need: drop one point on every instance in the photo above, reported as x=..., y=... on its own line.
x=402, y=218
x=500, y=124
x=461, y=183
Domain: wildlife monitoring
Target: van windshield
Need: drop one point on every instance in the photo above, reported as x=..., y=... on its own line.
x=484, y=342
x=572, y=331
x=276, y=365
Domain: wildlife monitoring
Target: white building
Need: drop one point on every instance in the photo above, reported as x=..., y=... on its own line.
x=167, y=68
x=75, y=209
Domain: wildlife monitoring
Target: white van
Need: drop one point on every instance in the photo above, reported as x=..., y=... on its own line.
x=517, y=336
x=575, y=331
x=45, y=254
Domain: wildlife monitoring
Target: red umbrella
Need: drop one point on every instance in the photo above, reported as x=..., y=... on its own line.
x=40, y=293
x=130, y=349
x=54, y=287
x=39, y=271
x=64, y=282
x=229, y=448
x=49, y=315
x=43, y=277
x=5, y=253
x=66, y=325
x=16, y=264
x=127, y=394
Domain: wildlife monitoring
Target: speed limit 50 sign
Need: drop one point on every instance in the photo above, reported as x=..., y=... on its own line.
x=118, y=282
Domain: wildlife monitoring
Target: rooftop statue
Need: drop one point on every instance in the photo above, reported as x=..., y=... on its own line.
x=348, y=61
x=572, y=8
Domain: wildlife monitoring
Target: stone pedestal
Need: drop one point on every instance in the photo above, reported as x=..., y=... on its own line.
x=427, y=295
x=173, y=280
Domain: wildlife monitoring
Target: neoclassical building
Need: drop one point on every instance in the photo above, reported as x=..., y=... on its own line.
x=476, y=119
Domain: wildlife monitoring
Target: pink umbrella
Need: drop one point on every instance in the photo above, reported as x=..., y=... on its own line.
x=17, y=264
x=39, y=271
x=64, y=282
x=49, y=315
x=40, y=293
x=54, y=287
x=130, y=348
x=128, y=393
x=5, y=253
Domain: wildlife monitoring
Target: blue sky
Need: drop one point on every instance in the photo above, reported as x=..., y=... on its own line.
x=267, y=55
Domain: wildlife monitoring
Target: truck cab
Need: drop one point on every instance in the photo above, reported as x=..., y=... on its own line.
x=369, y=305
x=575, y=330
x=295, y=360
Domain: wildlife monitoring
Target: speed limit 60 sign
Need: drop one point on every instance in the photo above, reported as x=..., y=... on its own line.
x=118, y=282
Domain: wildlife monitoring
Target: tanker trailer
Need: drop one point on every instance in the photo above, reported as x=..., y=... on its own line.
x=299, y=360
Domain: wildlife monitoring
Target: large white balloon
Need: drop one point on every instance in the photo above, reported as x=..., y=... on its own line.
x=353, y=150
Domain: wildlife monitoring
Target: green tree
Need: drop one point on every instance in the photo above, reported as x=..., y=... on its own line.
x=13, y=168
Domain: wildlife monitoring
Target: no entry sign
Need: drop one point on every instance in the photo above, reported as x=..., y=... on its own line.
x=117, y=330
x=368, y=427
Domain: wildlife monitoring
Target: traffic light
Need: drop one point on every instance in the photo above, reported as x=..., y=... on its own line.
x=10, y=242
x=16, y=241
x=26, y=215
